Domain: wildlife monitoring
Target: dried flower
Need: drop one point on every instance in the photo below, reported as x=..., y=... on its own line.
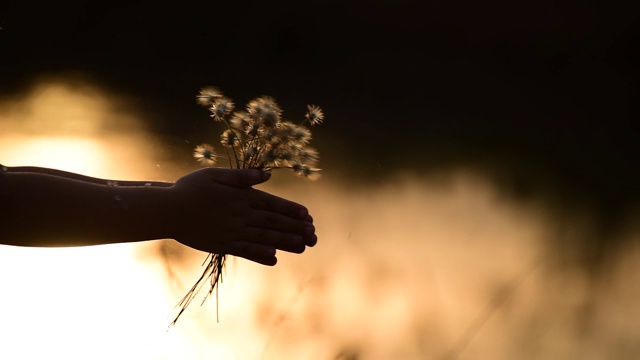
x=240, y=120
x=208, y=95
x=265, y=111
x=221, y=107
x=229, y=138
x=306, y=171
x=314, y=115
x=308, y=155
x=300, y=134
x=253, y=130
x=205, y=154
x=257, y=138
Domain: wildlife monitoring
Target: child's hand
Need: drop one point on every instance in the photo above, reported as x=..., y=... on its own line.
x=218, y=211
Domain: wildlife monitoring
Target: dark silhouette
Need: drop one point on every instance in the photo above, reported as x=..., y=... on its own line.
x=212, y=209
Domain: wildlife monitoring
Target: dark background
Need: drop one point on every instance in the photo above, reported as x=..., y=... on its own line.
x=543, y=95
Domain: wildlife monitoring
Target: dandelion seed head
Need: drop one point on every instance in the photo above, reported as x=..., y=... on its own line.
x=221, y=107
x=273, y=139
x=265, y=111
x=308, y=155
x=294, y=147
x=300, y=134
x=253, y=129
x=306, y=171
x=270, y=118
x=229, y=138
x=284, y=129
x=205, y=154
x=280, y=157
x=283, y=156
x=207, y=95
x=240, y=120
x=314, y=115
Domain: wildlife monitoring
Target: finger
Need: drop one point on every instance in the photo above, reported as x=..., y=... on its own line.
x=262, y=254
x=267, y=202
x=239, y=178
x=280, y=240
x=278, y=222
x=311, y=240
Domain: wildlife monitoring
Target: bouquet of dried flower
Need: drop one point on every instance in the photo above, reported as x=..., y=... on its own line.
x=256, y=138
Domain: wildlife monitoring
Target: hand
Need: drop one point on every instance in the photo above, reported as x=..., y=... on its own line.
x=218, y=211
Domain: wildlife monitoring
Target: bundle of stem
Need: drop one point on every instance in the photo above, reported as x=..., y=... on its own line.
x=213, y=272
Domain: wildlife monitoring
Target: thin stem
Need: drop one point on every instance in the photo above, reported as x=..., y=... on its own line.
x=235, y=155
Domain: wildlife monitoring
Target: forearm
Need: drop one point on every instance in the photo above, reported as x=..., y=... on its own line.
x=89, y=179
x=47, y=210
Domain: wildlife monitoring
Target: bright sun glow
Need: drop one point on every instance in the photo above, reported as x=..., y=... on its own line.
x=81, y=303
x=73, y=154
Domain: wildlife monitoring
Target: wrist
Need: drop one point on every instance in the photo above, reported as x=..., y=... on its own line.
x=170, y=210
x=167, y=211
x=147, y=212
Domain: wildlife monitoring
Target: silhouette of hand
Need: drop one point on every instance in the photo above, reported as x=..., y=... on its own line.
x=217, y=210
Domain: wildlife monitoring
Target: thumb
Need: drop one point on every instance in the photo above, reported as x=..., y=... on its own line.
x=240, y=178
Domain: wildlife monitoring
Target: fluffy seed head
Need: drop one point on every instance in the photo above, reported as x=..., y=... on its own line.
x=306, y=171
x=205, y=154
x=308, y=155
x=221, y=107
x=207, y=96
x=240, y=120
x=314, y=115
x=265, y=111
x=229, y=138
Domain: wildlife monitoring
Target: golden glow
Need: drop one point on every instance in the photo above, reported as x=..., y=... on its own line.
x=87, y=302
x=403, y=269
x=64, y=153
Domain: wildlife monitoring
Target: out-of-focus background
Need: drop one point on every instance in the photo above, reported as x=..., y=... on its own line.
x=480, y=184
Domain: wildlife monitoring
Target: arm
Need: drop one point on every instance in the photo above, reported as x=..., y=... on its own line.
x=213, y=210
x=84, y=178
x=44, y=209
